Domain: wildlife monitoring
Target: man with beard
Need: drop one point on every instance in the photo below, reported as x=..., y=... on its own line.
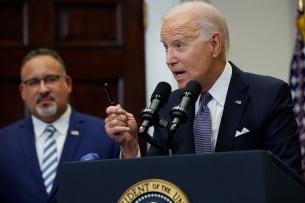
x=29, y=171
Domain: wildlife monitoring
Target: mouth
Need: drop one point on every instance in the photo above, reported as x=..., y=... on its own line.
x=179, y=73
x=44, y=100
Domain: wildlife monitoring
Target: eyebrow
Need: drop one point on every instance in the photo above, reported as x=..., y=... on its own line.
x=175, y=39
x=179, y=38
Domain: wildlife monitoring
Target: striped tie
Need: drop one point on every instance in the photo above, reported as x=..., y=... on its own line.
x=202, y=126
x=49, y=163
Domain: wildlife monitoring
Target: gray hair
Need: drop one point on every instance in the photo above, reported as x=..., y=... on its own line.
x=210, y=21
x=44, y=51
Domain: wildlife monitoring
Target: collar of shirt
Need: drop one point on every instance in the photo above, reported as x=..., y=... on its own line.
x=61, y=125
x=220, y=88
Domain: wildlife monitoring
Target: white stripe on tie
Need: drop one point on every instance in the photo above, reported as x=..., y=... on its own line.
x=50, y=161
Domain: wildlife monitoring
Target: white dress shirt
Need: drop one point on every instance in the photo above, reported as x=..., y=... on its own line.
x=219, y=92
x=61, y=125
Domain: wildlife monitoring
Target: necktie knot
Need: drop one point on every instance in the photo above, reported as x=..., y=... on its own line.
x=50, y=129
x=205, y=98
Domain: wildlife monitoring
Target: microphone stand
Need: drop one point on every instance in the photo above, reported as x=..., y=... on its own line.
x=180, y=116
x=169, y=142
x=148, y=138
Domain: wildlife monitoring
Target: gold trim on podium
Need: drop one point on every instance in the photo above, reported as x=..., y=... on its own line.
x=154, y=188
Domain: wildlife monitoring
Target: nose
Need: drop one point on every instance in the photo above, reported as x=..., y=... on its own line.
x=171, y=58
x=43, y=88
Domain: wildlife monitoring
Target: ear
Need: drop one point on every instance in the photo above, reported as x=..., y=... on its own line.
x=21, y=90
x=68, y=81
x=216, y=44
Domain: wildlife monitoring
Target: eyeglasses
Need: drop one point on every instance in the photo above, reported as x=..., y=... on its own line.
x=48, y=80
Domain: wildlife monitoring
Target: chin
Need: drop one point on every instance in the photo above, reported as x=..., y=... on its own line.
x=181, y=85
x=46, y=111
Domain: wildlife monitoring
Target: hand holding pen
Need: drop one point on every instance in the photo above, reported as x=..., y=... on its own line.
x=121, y=127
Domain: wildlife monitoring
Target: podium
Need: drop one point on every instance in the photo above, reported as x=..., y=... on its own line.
x=239, y=177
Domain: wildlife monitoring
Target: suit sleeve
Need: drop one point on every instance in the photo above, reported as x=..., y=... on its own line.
x=282, y=133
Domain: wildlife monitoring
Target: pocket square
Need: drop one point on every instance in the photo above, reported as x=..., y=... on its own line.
x=244, y=130
x=90, y=156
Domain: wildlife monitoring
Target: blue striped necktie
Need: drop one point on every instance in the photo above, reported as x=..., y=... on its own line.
x=50, y=161
x=202, y=126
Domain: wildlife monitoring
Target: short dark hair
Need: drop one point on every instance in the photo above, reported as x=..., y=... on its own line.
x=43, y=51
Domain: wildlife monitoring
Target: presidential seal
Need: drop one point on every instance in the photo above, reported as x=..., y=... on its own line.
x=154, y=191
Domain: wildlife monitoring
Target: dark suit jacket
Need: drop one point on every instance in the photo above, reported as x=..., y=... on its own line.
x=20, y=174
x=266, y=111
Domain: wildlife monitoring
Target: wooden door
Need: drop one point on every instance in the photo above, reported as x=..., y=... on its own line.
x=101, y=41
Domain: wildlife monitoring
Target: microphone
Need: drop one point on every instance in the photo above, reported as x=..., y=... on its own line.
x=150, y=116
x=179, y=114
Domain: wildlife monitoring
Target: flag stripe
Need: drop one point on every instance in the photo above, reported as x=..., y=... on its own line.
x=297, y=87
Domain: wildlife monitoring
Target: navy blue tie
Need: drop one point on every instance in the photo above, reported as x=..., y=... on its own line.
x=202, y=126
x=50, y=161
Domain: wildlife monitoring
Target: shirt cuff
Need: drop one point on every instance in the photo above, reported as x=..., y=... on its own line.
x=138, y=155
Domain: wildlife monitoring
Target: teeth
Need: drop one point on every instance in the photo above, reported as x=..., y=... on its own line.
x=179, y=74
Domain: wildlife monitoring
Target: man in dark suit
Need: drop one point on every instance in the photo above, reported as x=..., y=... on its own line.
x=246, y=111
x=268, y=118
x=45, y=89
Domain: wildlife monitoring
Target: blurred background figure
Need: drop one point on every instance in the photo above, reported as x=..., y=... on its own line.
x=33, y=149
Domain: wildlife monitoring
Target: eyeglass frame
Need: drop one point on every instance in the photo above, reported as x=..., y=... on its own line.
x=56, y=77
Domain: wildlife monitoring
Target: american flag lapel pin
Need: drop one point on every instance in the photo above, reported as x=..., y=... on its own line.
x=75, y=132
x=237, y=102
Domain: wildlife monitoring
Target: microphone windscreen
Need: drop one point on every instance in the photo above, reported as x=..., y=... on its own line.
x=194, y=87
x=163, y=89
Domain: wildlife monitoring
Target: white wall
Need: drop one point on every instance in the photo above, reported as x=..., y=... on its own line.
x=262, y=36
x=156, y=68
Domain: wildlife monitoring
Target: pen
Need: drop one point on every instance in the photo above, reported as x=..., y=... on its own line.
x=109, y=95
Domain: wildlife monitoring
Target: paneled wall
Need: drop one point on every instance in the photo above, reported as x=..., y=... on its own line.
x=101, y=41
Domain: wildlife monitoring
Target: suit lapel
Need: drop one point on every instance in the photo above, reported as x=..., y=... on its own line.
x=74, y=135
x=233, y=109
x=26, y=136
